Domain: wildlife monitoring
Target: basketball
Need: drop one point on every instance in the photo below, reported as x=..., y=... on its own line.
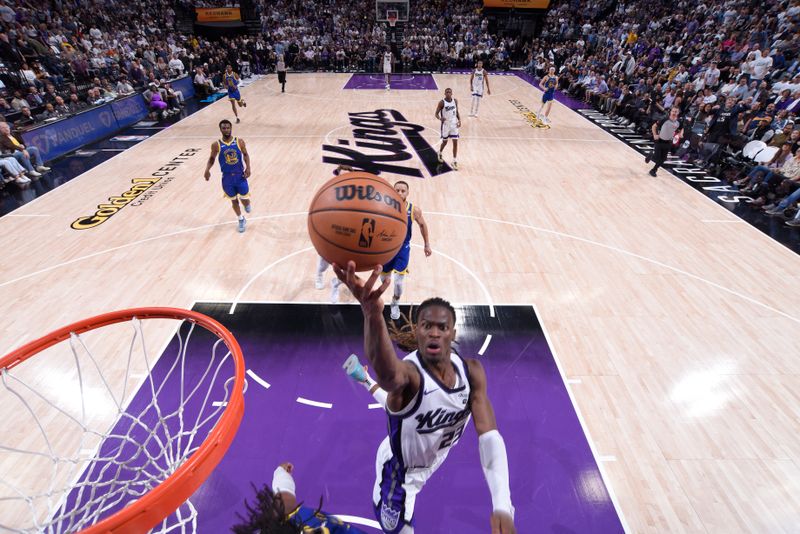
x=360, y=217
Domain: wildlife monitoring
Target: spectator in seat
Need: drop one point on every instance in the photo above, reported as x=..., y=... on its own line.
x=26, y=119
x=124, y=87
x=18, y=102
x=28, y=157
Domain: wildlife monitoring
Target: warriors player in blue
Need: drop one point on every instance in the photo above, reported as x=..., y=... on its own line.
x=477, y=79
x=548, y=84
x=431, y=395
x=232, y=85
x=447, y=113
x=234, y=162
x=397, y=267
x=276, y=511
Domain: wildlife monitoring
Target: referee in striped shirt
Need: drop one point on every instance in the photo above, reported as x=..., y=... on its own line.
x=663, y=134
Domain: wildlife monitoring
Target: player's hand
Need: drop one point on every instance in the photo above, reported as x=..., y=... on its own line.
x=287, y=467
x=247, y=172
x=365, y=292
x=502, y=523
x=207, y=175
x=428, y=251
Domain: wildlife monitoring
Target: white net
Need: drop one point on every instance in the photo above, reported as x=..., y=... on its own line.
x=85, y=436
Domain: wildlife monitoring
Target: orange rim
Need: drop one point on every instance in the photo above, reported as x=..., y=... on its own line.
x=165, y=498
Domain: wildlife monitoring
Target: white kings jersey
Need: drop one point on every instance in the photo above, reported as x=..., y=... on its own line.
x=449, y=111
x=387, y=62
x=422, y=434
x=477, y=82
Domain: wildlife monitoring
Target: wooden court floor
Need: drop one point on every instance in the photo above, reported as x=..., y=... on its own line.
x=674, y=322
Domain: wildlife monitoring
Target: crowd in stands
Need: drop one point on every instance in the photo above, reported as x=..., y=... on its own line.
x=732, y=68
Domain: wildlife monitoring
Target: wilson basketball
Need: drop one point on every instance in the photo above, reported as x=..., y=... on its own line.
x=357, y=216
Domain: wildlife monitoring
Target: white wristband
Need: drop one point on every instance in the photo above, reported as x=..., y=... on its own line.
x=282, y=481
x=495, y=468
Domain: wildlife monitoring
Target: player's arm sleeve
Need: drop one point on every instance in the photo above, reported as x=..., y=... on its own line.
x=494, y=459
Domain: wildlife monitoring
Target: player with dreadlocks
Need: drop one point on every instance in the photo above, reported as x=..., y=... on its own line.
x=276, y=511
x=430, y=396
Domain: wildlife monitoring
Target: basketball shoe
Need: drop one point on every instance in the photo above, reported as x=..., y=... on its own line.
x=354, y=369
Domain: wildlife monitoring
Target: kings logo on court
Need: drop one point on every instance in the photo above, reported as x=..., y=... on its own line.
x=384, y=141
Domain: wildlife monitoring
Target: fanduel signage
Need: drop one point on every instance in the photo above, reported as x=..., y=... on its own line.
x=385, y=142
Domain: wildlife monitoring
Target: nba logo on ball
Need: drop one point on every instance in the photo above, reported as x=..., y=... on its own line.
x=367, y=231
x=348, y=212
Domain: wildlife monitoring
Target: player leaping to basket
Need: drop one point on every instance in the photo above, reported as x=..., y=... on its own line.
x=431, y=395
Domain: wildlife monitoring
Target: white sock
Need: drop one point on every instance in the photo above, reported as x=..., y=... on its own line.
x=399, y=280
x=241, y=217
x=477, y=100
x=322, y=266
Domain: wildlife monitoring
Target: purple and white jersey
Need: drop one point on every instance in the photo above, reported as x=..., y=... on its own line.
x=420, y=437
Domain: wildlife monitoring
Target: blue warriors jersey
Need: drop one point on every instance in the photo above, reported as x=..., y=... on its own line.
x=399, y=263
x=550, y=84
x=410, y=213
x=314, y=522
x=230, y=157
x=231, y=83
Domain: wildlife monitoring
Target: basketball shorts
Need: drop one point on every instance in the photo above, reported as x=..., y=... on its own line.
x=387, y=68
x=235, y=185
x=450, y=129
x=548, y=95
x=234, y=95
x=395, y=491
x=399, y=264
x=477, y=92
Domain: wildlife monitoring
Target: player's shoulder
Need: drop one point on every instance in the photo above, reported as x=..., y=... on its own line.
x=477, y=374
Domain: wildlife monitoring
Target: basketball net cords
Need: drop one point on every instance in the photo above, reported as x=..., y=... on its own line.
x=90, y=495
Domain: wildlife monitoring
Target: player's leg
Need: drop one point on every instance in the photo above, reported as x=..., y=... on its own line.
x=477, y=99
x=243, y=196
x=322, y=266
x=399, y=280
x=233, y=107
x=541, y=108
x=392, y=497
x=335, y=286
x=441, y=149
x=547, y=111
x=455, y=154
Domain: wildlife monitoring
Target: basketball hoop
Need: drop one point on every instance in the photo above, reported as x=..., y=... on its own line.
x=391, y=17
x=130, y=459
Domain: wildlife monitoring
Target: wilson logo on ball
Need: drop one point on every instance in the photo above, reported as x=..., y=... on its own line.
x=350, y=192
x=367, y=232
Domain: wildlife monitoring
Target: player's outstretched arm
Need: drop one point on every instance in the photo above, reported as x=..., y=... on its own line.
x=392, y=374
x=494, y=459
x=211, y=158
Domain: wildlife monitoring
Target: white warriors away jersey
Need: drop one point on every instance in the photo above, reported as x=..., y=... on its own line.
x=477, y=82
x=449, y=110
x=422, y=434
